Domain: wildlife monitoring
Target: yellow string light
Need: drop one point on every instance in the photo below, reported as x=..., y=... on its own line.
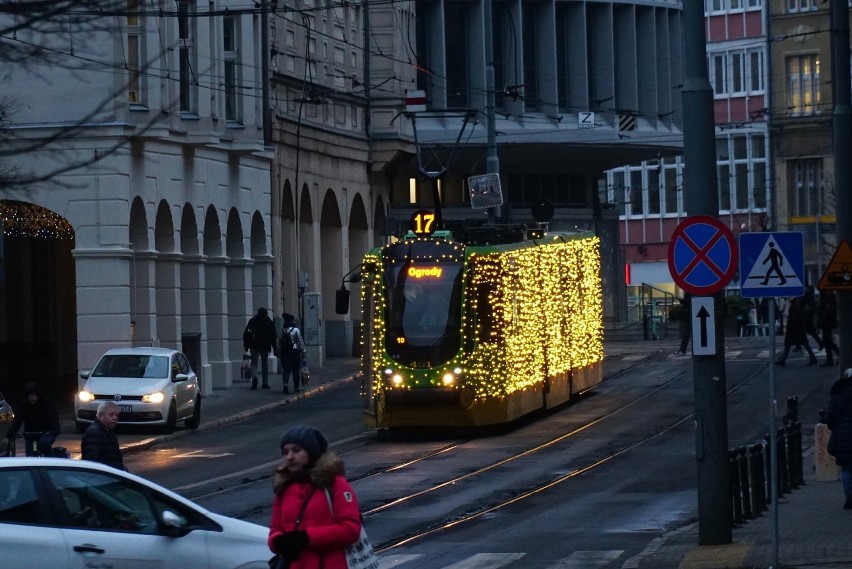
x=20, y=219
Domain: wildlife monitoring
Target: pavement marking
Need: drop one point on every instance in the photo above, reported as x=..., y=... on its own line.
x=390, y=561
x=198, y=454
x=486, y=561
x=587, y=559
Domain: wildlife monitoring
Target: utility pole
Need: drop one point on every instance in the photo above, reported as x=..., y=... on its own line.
x=841, y=121
x=700, y=198
x=266, y=115
x=492, y=162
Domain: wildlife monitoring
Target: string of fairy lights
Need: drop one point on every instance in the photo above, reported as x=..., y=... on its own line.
x=541, y=318
x=20, y=219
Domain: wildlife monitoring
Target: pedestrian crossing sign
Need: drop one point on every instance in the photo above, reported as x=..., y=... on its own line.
x=772, y=264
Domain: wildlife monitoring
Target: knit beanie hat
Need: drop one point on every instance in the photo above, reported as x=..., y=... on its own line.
x=30, y=388
x=307, y=438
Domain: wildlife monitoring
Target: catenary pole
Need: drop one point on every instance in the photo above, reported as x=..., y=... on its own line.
x=492, y=162
x=842, y=134
x=700, y=198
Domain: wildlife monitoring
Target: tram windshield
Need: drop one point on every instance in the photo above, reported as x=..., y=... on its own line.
x=424, y=306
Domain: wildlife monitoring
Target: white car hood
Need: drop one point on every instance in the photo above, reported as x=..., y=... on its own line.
x=125, y=385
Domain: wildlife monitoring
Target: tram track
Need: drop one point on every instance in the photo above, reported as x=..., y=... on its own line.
x=457, y=445
x=527, y=493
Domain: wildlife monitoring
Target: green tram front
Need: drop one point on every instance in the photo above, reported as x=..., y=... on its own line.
x=413, y=305
x=423, y=286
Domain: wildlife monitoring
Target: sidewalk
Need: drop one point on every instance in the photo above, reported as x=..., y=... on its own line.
x=814, y=531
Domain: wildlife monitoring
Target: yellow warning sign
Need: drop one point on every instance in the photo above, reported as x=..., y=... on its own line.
x=838, y=273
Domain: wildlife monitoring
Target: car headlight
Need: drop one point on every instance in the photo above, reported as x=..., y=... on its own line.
x=85, y=396
x=449, y=379
x=154, y=397
x=397, y=379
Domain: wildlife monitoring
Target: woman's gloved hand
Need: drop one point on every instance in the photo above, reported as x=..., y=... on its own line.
x=291, y=544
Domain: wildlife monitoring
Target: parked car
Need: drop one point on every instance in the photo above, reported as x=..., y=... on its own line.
x=64, y=514
x=151, y=386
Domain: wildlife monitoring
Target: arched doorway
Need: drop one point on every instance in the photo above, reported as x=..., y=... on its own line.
x=38, y=301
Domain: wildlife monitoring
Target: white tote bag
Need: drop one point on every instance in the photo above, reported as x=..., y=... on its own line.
x=360, y=554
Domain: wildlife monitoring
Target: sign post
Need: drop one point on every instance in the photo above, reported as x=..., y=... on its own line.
x=772, y=264
x=702, y=260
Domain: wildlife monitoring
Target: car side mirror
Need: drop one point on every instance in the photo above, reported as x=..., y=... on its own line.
x=85, y=374
x=174, y=525
x=180, y=377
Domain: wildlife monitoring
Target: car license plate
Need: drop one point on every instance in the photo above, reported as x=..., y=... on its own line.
x=125, y=408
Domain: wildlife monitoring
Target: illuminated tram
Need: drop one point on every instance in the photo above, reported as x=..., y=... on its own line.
x=481, y=329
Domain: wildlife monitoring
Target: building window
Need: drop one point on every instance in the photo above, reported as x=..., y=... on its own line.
x=737, y=72
x=135, y=52
x=231, y=56
x=741, y=169
x=186, y=57
x=795, y=6
x=457, y=53
x=803, y=95
x=530, y=38
x=712, y=7
x=670, y=185
x=807, y=183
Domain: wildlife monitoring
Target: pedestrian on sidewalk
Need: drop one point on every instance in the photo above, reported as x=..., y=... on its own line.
x=827, y=322
x=809, y=311
x=795, y=334
x=684, y=325
x=259, y=339
x=291, y=351
x=99, y=442
x=315, y=513
x=36, y=415
x=839, y=420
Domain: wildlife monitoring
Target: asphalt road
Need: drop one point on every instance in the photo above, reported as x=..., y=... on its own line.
x=629, y=467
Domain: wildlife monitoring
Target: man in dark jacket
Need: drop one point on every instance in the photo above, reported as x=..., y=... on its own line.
x=259, y=339
x=839, y=420
x=99, y=441
x=827, y=322
x=36, y=415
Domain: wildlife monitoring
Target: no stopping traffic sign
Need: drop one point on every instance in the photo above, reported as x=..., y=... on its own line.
x=702, y=255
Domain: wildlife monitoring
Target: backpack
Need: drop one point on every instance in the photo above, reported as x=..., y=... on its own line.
x=248, y=336
x=285, y=340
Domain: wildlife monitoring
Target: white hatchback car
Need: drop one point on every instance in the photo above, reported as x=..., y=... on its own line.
x=151, y=386
x=64, y=514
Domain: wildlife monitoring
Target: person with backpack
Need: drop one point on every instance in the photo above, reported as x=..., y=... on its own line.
x=291, y=351
x=259, y=339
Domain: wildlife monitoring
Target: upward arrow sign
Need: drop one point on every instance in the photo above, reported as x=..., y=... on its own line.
x=702, y=316
x=703, y=326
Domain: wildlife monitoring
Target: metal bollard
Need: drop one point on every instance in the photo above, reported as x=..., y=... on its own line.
x=745, y=483
x=798, y=462
x=783, y=479
x=734, y=474
x=790, y=450
x=792, y=415
x=758, y=488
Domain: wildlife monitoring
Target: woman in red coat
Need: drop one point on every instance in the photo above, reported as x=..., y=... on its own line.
x=304, y=529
